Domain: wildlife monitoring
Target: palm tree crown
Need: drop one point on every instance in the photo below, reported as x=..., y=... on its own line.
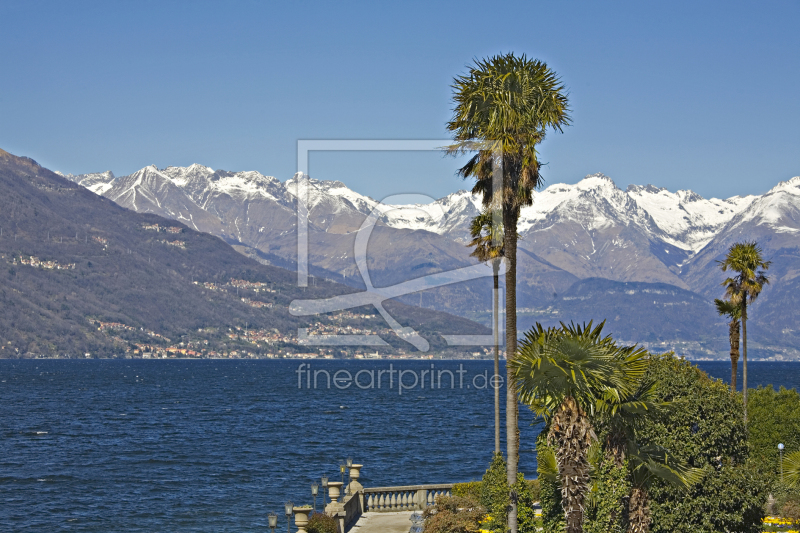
x=505, y=104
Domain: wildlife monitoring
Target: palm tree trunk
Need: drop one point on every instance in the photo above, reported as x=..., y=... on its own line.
x=572, y=432
x=510, y=217
x=733, y=333
x=639, y=511
x=744, y=356
x=496, y=329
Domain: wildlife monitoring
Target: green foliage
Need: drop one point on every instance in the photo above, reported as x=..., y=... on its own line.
x=790, y=510
x=494, y=495
x=773, y=417
x=321, y=523
x=550, y=489
x=471, y=490
x=607, y=501
x=527, y=495
x=453, y=515
x=705, y=430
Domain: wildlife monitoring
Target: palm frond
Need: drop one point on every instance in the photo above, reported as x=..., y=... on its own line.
x=791, y=469
x=546, y=465
x=648, y=463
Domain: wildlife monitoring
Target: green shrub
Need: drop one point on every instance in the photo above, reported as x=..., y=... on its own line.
x=773, y=417
x=494, y=495
x=471, y=490
x=453, y=514
x=607, y=510
x=704, y=429
x=549, y=494
x=527, y=495
x=321, y=523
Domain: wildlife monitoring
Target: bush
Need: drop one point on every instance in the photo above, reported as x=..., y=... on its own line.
x=791, y=511
x=471, y=490
x=453, y=514
x=704, y=429
x=607, y=510
x=494, y=495
x=321, y=523
x=549, y=494
x=773, y=417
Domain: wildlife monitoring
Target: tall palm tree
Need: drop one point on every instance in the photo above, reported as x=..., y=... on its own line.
x=734, y=312
x=503, y=107
x=567, y=375
x=487, y=244
x=747, y=261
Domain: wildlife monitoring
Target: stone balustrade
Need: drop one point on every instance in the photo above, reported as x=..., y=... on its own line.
x=349, y=502
x=404, y=498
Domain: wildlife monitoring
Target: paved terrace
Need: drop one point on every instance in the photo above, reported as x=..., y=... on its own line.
x=398, y=522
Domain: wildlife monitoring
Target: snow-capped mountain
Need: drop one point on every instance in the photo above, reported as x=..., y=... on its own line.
x=572, y=232
x=591, y=228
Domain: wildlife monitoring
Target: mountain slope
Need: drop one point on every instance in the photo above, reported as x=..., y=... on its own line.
x=95, y=260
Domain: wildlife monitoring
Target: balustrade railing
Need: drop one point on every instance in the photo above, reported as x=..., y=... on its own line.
x=404, y=498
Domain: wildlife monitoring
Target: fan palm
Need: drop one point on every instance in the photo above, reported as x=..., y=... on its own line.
x=747, y=261
x=648, y=464
x=791, y=469
x=734, y=312
x=487, y=244
x=503, y=108
x=567, y=375
x=645, y=463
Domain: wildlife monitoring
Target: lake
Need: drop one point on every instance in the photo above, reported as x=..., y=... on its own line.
x=213, y=445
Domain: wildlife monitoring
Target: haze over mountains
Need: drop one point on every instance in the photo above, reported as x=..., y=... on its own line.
x=651, y=250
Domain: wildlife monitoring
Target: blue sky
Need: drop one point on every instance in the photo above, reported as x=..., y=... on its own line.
x=699, y=95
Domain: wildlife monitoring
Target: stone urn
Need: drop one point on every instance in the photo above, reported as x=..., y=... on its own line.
x=301, y=518
x=334, y=490
x=355, y=473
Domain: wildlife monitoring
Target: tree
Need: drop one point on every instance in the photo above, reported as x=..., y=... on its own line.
x=487, y=244
x=774, y=418
x=503, y=108
x=747, y=261
x=734, y=312
x=567, y=375
x=705, y=430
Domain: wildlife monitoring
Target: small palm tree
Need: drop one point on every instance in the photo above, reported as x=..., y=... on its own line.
x=734, y=312
x=503, y=107
x=487, y=242
x=648, y=464
x=747, y=261
x=567, y=375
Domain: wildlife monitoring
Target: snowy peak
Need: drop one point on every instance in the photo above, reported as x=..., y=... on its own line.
x=98, y=182
x=779, y=208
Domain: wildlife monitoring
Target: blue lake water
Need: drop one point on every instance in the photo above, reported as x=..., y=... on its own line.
x=138, y=445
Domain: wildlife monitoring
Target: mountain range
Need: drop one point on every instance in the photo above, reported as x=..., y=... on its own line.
x=81, y=274
x=644, y=240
